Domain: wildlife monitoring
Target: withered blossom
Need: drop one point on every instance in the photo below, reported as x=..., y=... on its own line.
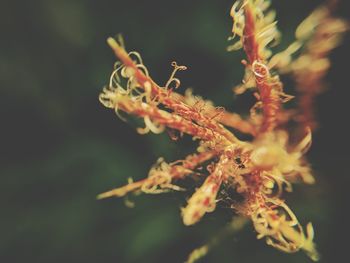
x=259, y=170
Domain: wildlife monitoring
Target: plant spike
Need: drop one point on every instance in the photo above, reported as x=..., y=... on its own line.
x=262, y=169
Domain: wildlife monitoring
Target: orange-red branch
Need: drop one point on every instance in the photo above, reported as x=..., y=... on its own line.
x=176, y=102
x=177, y=171
x=269, y=98
x=193, y=160
x=170, y=120
x=250, y=45
x=235, y=121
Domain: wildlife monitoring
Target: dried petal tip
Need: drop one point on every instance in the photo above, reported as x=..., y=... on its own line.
x=112, y=43
x=121, y=191
x=112, y=193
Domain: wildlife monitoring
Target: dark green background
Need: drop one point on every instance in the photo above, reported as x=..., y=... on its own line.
x=60, y=147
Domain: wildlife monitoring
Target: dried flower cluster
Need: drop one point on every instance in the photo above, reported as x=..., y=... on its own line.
x=261, y=169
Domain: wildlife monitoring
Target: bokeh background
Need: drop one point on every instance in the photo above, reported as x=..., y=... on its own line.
x=60, y=148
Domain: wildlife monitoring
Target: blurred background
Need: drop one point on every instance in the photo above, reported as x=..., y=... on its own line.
x=60, y=147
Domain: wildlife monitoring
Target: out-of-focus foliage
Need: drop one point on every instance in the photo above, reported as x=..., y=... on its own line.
x=60, y=148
